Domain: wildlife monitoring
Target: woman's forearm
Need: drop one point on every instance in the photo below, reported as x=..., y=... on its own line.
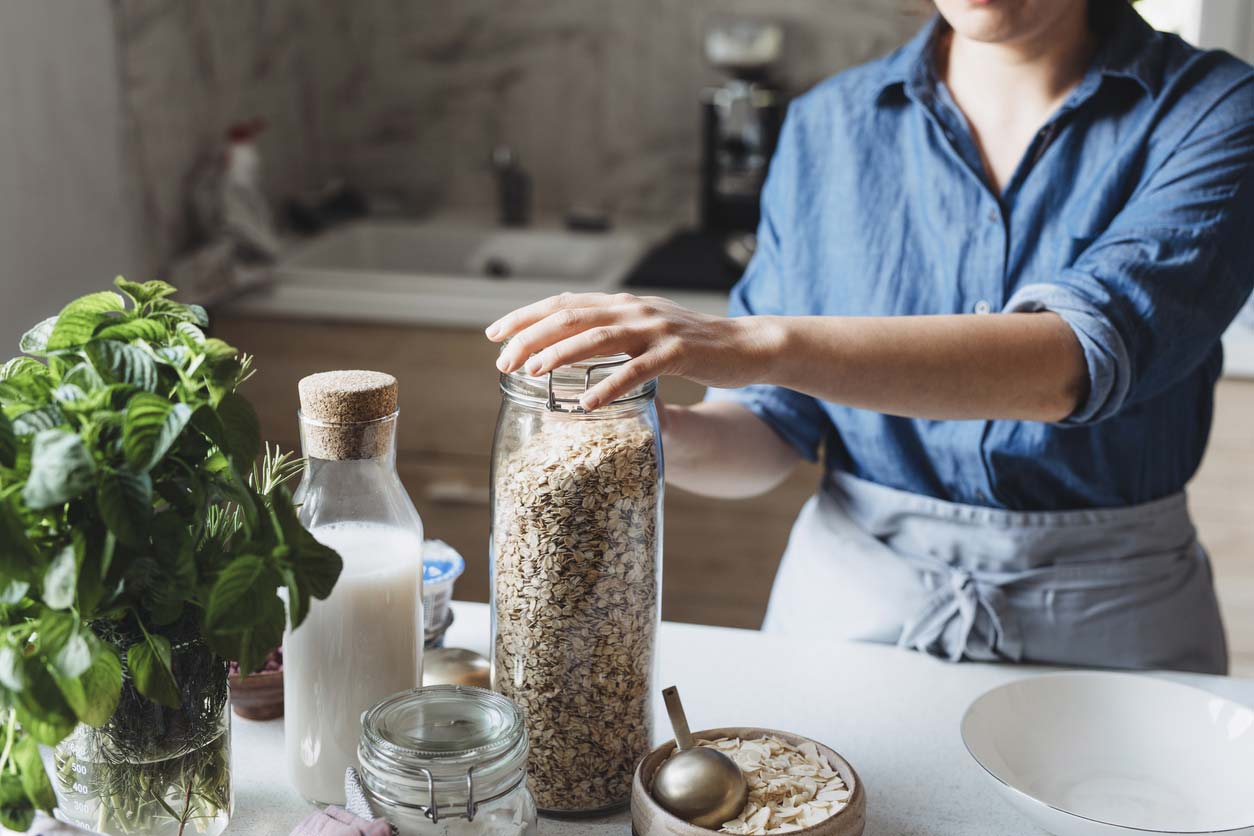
x=720, y=448
x=1022, y=366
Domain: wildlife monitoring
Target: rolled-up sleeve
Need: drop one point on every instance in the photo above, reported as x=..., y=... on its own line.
x=769, y=288
x=1151, y=296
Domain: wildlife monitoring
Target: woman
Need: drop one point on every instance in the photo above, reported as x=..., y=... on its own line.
x=992, y=273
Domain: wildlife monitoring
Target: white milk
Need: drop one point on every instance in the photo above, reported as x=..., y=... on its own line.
x=360, y=645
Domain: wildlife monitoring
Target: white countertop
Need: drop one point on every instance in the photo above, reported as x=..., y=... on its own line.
x=893, y=714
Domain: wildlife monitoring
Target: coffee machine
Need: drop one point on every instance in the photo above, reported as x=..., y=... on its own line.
x=741, y=119
x=740, y=125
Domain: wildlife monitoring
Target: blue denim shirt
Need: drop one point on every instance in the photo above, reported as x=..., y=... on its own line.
x=1131, y=216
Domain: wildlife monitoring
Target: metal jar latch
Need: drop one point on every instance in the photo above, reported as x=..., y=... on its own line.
x=432, y=810
x=555, y=404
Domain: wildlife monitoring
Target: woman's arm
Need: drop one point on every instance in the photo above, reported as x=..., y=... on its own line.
x=1024, y=366
x=720, y=448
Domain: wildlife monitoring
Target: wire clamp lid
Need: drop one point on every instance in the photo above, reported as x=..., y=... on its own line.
x=571, y=405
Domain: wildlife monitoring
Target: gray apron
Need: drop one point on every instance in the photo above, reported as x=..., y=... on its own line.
x=1123, y=587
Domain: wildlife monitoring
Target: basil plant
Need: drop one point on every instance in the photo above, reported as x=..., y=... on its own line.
x=127, y=509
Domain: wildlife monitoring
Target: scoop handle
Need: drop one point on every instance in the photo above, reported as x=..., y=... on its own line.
x=679, y=722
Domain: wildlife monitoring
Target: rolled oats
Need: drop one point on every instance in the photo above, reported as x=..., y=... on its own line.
x=575, y=550
x=790, y=787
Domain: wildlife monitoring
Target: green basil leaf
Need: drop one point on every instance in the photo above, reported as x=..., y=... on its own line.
x=206, y=420
x=152, y=424
x=61, y=468
x=124, y=500
x=118, y=362
x=95, y=549
x=128, y=330
x=234, y=488
x=30, y=768
x=13, y=591
x=61, y=579
x=35, y=341
x=243, y=430
x=94, y=695
x=44, y=418
x=12, y=668
x=68, y=393
x=63, y=643
x=239, y=595
x=178, y=312
x=84, y=376
x=297, y=597
x=218, y=351
x=317, y=567
x=17, y=555
x=252, y=645
x=16, y=811
x=78, y=320
x=44, y=713
x=174, y=355
x=142, y=294
x=198, y=314
x=149, y=663
x=24, y=370
x=191, y=334
x=11, y=394
x=8, y=442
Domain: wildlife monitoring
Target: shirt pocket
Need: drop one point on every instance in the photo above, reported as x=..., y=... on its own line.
x=1072, y=245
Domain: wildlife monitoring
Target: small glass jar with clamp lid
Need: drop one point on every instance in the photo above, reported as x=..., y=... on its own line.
x=448, y=760
x=576, y=570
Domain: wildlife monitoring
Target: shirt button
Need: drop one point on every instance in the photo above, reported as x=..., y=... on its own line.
x=993, y=217
x=980, y=497
x=982, y=307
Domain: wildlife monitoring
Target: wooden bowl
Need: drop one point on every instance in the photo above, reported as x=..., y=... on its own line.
x=649, y=819
x=258, y=696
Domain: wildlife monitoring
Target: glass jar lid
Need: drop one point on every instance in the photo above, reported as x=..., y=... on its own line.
x=443, y=750
x=444, y=729
x=560, y=389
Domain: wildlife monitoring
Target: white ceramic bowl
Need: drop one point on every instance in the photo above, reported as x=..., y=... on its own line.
x=1099, y=754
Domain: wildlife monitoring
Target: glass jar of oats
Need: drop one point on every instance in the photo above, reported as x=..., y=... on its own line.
x=576, y=567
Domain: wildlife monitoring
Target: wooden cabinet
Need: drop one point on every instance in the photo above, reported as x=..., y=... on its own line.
x=719, y=557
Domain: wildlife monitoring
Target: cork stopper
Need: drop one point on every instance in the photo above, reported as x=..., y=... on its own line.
x=341, y=413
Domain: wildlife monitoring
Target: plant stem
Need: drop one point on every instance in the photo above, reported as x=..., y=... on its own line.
x=8, y=740
x=187, y=808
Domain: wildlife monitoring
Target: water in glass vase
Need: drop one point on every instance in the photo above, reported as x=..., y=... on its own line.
x=186, y=793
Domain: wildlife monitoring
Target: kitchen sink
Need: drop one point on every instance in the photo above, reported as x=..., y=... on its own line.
x=441, y=252
x=455, y=270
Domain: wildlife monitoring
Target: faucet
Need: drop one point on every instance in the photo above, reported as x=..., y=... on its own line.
x=513, y=187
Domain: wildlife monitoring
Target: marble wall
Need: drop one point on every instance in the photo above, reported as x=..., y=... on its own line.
x=406, y=98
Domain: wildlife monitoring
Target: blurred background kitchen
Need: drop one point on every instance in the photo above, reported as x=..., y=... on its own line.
x=367, y=184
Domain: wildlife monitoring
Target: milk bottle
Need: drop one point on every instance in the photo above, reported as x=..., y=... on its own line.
x=364, y=642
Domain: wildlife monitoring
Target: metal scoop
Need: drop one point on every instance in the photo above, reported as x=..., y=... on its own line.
x=699, y=785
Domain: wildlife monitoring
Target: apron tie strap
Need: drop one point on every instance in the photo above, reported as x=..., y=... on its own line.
x=965, y=616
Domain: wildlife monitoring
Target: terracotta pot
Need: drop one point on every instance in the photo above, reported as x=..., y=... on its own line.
x=259, y=696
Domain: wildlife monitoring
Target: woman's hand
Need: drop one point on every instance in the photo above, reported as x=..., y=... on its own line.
x=662, y=338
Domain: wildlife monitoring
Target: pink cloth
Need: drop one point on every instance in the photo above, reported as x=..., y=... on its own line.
x=334, y=821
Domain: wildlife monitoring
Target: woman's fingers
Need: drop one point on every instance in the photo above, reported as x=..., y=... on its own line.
x=632, y=374
x=552, y=329
x=515, y=321
x=595, y=341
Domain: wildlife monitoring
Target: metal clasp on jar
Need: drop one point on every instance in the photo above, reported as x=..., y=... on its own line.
x=555, y=403
x=432, y=808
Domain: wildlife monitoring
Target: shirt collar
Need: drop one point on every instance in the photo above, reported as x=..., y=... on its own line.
x=1126, y=51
